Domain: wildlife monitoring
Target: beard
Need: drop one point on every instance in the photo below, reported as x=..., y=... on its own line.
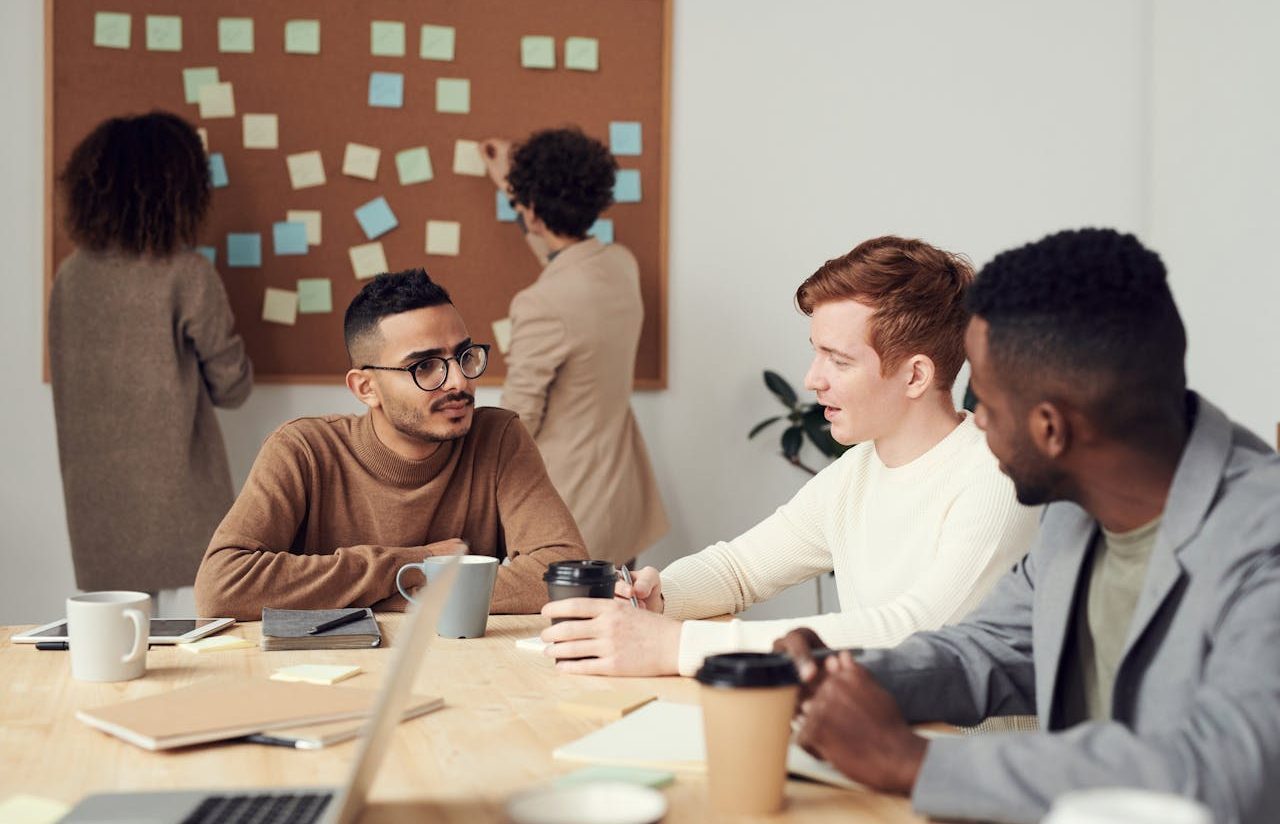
x=1035, y=481
x=429, y=425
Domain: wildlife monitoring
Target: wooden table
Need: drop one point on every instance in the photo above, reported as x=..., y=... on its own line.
x=493, y=738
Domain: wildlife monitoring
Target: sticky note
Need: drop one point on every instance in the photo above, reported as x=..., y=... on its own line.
x=361, y=161
x=31, y=809
x=217, y=643
x=602, y=230
x=315, y=295
x=467, y=159
x=210, y=252
x=289, y=238
x=624, y=137
x=235, y=35
x=280, y=306
x=582, y=54
x=261, y=131
x=204, y=138
x=305, y=169
x=506, y=214
x=308, y=218
x=627, y=775
x=164, y=33
x=414, y=165
x=386, y=90
x=244, y=249
x=302, y=36
x=605, y=704
x=323, y=674
x=437, y=43
x=195, y=79
x=538, y=52
x=443, y=237
x=376, y=218
x=217, y=100
x=453, y=95
x=386, y=38
x=111, y=30
x=368, y=259
x=502, y=337
x=217, y=170
x=626, y=189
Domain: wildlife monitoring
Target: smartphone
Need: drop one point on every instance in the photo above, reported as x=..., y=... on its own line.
x=163, y=630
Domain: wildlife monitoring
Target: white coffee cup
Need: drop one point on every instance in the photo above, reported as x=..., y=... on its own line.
x=1121, y=805
x=107, y=633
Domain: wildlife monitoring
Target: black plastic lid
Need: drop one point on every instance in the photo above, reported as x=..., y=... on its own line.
x=579, y=572
x=748, y=669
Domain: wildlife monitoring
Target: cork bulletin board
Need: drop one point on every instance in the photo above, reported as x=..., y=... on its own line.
x=382, y=75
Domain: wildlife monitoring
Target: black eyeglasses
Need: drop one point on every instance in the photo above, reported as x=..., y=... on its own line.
x=431, y=373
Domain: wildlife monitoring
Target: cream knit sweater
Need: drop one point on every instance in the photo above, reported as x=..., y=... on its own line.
x=913, y=548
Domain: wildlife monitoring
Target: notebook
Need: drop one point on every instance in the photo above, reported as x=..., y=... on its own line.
x=290, y=628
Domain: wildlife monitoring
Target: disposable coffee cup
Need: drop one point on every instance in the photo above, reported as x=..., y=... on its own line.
x=1121, y=805
x=108, y=633
x=466, y=610
x=748, y=699
x=579, y=579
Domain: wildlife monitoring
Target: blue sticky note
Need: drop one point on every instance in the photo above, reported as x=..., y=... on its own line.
x=217, y=170
x=290, y=238
x=626, y=189
x=376, y=218
x=506, y=214
x=602, y=230
x=624, y=137
x=211, y=252
x=244, y=249
x=386, y=89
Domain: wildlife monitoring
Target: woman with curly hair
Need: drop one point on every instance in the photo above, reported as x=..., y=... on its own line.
x=574, y=333
x=141, y=349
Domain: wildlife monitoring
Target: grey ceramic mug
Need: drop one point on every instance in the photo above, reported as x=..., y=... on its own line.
x=466, y=612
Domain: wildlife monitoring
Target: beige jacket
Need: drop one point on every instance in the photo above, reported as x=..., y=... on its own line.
x=570, y=369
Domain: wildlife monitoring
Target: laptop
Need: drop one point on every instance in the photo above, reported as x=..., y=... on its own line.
x=342, y=805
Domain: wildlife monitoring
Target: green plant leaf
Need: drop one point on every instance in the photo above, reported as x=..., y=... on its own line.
x=819, y=432
x=756, y=430
x=792, y=440
x=780, y=388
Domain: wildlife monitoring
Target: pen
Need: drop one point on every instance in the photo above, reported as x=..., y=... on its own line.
x=626, y=576
x=53, y=645
x=341, y=620
x=258, y=738
x=825, y=653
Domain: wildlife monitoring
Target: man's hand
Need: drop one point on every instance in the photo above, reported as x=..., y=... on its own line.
x=612, y=637
x=800, y=645
x=855, y=725
x=496, y=154
x=646, y=585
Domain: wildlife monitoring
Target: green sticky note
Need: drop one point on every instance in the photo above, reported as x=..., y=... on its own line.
x=164, y=32
x=315, y=295
x=302, y=36
x=538, y=52
x=235, y=35
x=386, y=38
x=414, y=165
x=193, y=80
x=453, y=95
x=437, y=43
x=582, y=54
x=111, y=30
x=629, y=775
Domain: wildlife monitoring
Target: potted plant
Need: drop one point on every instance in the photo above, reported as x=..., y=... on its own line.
x=803, y=420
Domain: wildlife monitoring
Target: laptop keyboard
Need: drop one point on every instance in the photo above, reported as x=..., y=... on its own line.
x=260, y=809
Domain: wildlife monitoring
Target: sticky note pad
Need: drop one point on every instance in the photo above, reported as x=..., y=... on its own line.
x=502, y=337
x=443, y=237
x=217, y=100
x=538, y=52
x=386, y=90
x=376, y=218
x=323, y=674
x=217, y=170
x=310, y=219
x=602, y=230
x=606, y=704
x=626, y=189
x=280, y=306
x=506, y=214
x=453, y=95
x=164, y=32
x=210, y=252
x=289, y=238
x=217, y=643
x=235, y=35
x=305, y=169
x=244, y=249
x=624, y=137
x=437, y=43
x=315, y=295
x=368, y=259
x=386, y=38
x=414, y=165
x=628, y=775
x=111, y=30
x=302, y=36
x=361, y=161
x=195, y=79
x=31, y=809
x=582, y=54
x=261, y=131
x=467, y=159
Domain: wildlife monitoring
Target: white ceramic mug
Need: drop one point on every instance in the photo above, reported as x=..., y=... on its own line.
x=107, y=633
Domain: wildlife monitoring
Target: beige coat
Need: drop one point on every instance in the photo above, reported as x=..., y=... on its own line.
x=570, y=370
x=140, y=352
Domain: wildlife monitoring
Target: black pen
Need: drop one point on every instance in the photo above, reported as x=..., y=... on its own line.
x=53, y=645
x=825, y=653
x=341, y=620
x=258, y=738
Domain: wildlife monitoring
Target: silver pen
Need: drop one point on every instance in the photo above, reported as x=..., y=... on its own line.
x=626, y=576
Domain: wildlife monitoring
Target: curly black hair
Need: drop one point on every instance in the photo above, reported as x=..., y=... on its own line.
x=566, y=177
x=138, y=185
x=388, y=294
x=1090, y=309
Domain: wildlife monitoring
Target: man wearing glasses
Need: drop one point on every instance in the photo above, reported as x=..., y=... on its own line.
x=335, y=505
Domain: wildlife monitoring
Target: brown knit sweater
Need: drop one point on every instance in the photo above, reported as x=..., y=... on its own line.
x=328, y=514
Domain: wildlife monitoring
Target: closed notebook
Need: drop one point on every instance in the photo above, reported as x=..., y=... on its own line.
x=291, y=628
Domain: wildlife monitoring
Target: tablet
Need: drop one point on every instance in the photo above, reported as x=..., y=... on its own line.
x=163, y=630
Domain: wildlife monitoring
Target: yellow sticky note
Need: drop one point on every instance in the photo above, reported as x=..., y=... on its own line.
x=582, y=54
x=235, y=35
x=196, y=78
x=261, y=131
x=30, y=809
x=280, y=306
x=414, y=165
x=216, y=643
x=444, y=237
x=305, y=169
x=368, y=259
x=361, y=161
x=164, y=32
x=310, y=219
x=437, y=43
x=217, y=100
x=467, y=159
x=323, y=674
x=111, y=30
x=453, y=95
x=502, y=336
x=302, y=37
x=386, y=38
x=538, y=52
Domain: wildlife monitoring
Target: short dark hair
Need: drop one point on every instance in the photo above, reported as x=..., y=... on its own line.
x=1089, y=310
x=388, y=294
x=565, y=176
x=138, y=185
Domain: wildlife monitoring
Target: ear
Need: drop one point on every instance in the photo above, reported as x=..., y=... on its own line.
x=1049, y=430
x=919, y=372
x=361, y=385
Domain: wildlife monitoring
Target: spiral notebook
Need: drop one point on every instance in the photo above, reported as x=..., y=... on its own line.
x=291, y=628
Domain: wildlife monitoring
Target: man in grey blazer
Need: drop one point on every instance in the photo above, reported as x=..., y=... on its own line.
x=1143, y=629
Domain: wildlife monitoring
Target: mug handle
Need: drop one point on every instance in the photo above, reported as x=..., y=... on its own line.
x=141, y=626
x=400, y=572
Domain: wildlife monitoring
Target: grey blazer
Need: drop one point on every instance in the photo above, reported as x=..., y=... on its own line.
x=1197, y=693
